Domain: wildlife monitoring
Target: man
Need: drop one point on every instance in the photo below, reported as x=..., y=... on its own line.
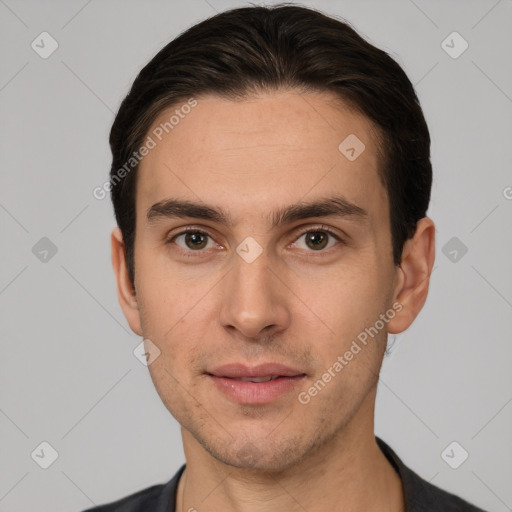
x=270, y=178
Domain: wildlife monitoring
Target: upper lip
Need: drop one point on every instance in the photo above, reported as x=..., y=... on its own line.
x=237, y=370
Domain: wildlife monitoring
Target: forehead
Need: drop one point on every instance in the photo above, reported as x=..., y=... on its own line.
x=265, y=151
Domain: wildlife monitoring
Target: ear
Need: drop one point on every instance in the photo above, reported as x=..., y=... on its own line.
x=125, y=293
x=413, y=275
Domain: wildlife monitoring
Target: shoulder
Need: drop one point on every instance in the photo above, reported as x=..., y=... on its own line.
x=428, y=497
x=157, y=498
x=420, y=495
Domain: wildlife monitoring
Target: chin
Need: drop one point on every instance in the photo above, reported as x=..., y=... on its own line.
x=260, y=455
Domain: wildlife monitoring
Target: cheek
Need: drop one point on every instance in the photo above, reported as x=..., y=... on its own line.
x=174, y=373
x=344, y=298
x=347, y=302
x=165, y=296
x=179, y=319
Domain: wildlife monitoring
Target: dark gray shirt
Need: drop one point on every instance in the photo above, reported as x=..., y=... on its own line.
x=419, y=495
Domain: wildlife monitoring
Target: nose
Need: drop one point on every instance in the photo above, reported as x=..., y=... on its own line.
x=254, y=301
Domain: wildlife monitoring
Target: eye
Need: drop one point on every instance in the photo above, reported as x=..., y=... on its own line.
x=317, y=239
x=193, y=240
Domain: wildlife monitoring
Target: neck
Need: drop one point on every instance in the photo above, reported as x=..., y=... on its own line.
x=347, y=473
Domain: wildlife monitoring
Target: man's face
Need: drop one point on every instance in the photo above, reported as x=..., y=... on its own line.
x=301, y=302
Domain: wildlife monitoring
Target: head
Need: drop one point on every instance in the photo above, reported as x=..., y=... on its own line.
x=298, y=157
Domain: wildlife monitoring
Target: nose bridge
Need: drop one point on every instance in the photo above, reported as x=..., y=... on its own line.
x=253, y=300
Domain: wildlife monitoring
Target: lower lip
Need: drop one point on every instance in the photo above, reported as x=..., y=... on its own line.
x=245, y=392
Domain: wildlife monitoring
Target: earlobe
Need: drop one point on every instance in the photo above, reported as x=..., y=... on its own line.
x=413, y=275
x=125, y=292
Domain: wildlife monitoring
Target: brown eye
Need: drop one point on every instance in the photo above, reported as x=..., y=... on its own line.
x=193, y=240
x=317, y=240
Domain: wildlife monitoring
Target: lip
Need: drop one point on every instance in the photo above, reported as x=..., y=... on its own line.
x=238, y=370
x=245, y=392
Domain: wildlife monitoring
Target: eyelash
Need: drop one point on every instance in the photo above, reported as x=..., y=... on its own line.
x=191, y=253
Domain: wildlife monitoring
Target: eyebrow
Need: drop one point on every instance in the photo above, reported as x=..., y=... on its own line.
x=328, y=207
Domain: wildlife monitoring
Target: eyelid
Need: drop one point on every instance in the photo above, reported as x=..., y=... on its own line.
x=322, y=227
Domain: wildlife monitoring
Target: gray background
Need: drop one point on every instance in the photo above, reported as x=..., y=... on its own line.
x=68, y=374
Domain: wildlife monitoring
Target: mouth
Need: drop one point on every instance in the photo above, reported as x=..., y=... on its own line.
x=265, y=371
x=256, y=379
x=255, y=385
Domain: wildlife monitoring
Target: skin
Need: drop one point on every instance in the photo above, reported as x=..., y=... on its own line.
x=295, y=304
